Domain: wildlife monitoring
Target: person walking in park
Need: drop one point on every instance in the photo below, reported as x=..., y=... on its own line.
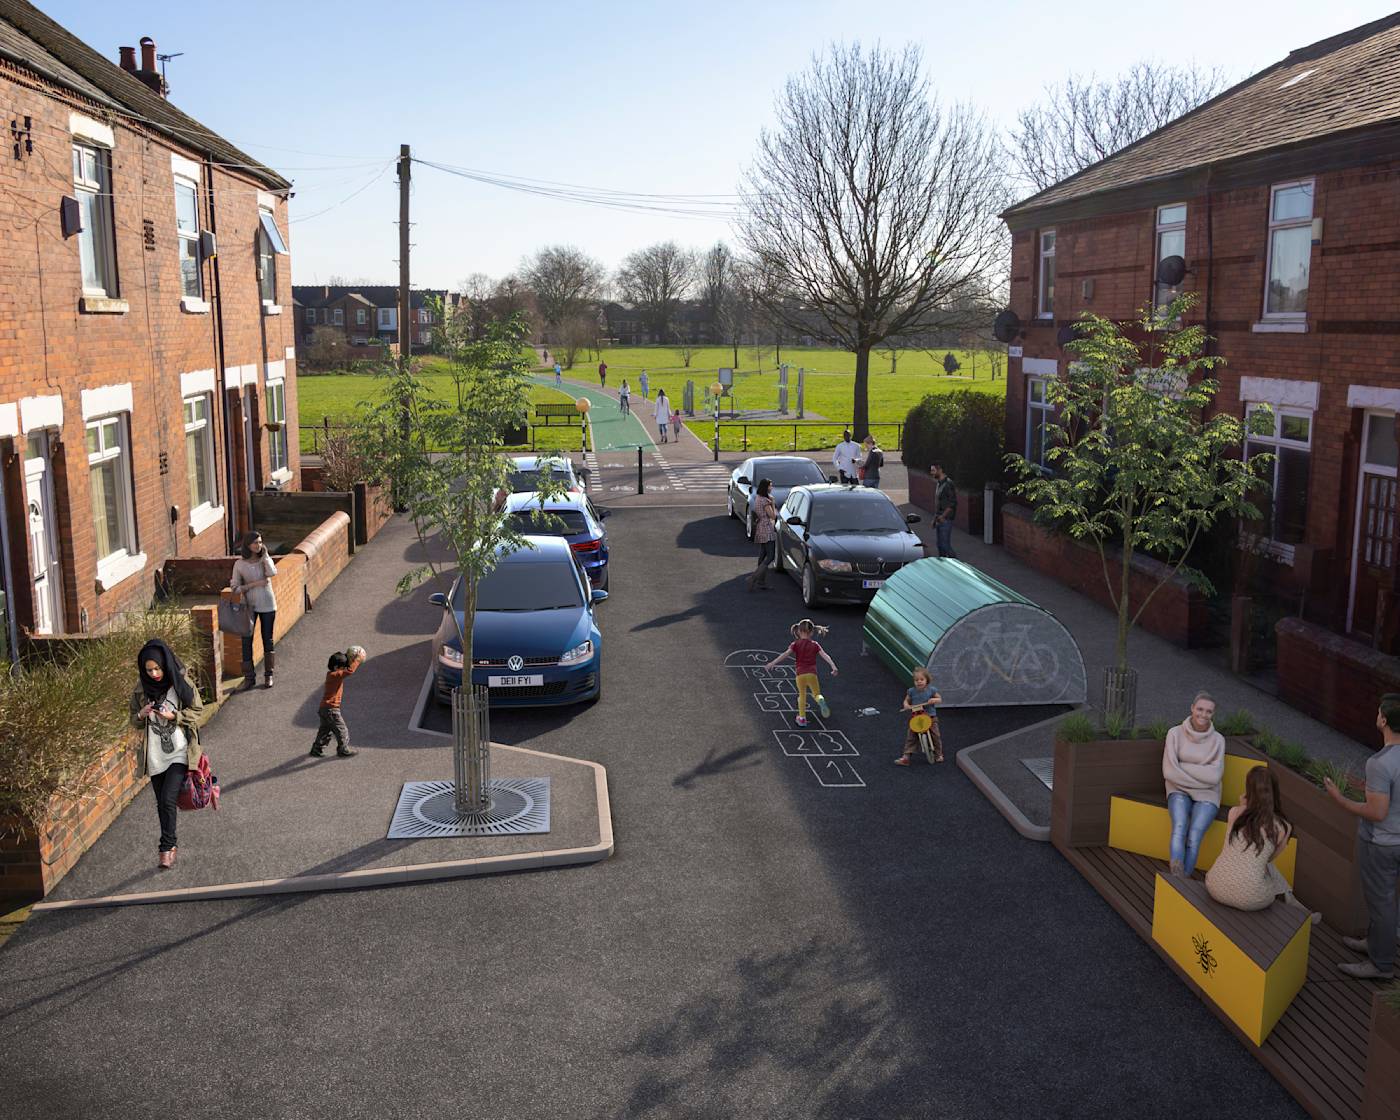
x=917, y=701
x=663, y=413
x=340, y=666
x=1193, y=765
x=166, y=706
x=252, y=581
x=1378, y=847
x=624, y=398
x=765, y=516
x=804, y=651
x=845, y=458
x=1243, y=875
x=676, y=424
x=558, y=376
x=945, y=503
x=602, y=375
x=642, y=381
x=871, y=464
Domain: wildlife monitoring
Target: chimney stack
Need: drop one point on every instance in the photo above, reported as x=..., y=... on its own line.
x=148, y=53
x=148, y=72
x=128, y=62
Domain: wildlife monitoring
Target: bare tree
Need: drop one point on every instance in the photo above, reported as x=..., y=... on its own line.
x=1081, y=120
x=326, y=348
x=869, y=207
x=513, y=295
x=565, y=280
x=578, y=332
x=476, y=291
x=654, y=280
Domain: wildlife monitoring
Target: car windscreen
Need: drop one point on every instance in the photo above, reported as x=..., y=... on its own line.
x=522, y=482
x=573, y=521
x=855, y=513
x=789, y=473
x=530, y=586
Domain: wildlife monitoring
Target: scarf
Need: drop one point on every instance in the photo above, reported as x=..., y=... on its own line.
x=172, y=673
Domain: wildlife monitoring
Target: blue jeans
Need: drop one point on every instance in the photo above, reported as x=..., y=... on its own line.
x=871, y=480
x=1190, y=819
x=943, y=533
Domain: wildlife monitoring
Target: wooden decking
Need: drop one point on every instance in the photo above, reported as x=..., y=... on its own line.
x=1318, y=1049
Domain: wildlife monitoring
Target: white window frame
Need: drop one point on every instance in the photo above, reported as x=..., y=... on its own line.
x=126, y=560
x=1275, y=226
x=208, y=512
x=101, y=241
x=277, y=445
x=183, y=182
x=1282, y=551
x=388, y=318
x=338, y=316
x=1167, y=227
x=359, y=316
x=1041, y=311
x=1042, y=406
x=424, y=316
x=310, y=315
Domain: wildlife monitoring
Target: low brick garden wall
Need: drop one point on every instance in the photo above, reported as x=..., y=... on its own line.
x=1333, y=679
x=923, y=493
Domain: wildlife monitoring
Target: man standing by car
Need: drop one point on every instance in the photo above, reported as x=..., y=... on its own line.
x=845, y=458
x=945, y=504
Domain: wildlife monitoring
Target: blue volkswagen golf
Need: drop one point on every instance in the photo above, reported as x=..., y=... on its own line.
x=535, y=641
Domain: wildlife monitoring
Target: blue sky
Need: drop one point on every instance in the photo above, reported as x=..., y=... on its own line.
x=655, y=98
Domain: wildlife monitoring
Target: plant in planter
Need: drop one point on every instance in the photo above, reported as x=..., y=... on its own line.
x=1237, y=723
x=1134, y=462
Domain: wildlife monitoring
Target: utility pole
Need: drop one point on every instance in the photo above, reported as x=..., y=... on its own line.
x=405, y=327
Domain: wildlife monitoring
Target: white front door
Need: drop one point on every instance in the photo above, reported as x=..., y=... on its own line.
x=43, y=540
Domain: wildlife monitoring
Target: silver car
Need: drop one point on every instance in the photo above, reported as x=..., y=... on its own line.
x=785, y=472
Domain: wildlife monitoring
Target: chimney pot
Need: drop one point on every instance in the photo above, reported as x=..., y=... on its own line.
x=128, y=56
x=148, y=53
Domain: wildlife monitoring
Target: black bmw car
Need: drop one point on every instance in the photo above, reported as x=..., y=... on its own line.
x=784, y=471
x=842, y=542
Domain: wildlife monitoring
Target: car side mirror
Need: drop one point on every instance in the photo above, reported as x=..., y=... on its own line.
x=832, y=478
x=797, y=521
x=743, y=480
x=604, y=514
x=912, y=519
x=597, y=596
x=438, y=599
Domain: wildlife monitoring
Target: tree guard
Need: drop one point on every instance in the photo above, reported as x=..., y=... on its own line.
x=984, y=644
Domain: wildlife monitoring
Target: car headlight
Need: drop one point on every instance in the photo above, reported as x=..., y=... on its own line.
x=450, y=657
x=834, y=565
x=579, y=653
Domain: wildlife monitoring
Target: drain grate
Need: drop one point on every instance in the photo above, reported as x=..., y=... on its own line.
x=425, y=810
x=1042, y=768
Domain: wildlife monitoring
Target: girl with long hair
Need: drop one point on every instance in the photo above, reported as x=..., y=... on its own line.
x=1244, y=875
x=804, y=650
x=252, y=579
x=765, y=516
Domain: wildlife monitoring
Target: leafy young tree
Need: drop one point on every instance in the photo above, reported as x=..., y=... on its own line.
x=869, y=208
x=1080, y=121
x=654, y=280
x=566, y=282
x=1135, y=462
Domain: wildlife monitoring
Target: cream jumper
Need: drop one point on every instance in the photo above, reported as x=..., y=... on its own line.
x=1193, y=762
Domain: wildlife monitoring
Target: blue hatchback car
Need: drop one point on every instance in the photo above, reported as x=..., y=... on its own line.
x=535, y=641
x=573, y=517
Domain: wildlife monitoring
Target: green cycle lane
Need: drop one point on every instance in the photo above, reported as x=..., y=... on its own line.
x=612, y=430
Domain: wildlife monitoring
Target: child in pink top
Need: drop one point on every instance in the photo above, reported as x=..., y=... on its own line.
x=804, y=651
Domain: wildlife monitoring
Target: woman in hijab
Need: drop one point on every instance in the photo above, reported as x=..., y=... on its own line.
x=167, y=707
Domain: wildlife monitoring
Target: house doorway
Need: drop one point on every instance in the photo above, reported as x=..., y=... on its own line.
x=44, y=569
x=1373, y=546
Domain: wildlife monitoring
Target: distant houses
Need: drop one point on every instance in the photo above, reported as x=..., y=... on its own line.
x=362, y=318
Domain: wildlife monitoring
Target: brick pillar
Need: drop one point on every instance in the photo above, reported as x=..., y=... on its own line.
x=211, y=655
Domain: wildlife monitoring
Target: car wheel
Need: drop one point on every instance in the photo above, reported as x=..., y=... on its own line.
x=732, y=514
x=809, y=586
x=599, y=694
x=603, y=586
x=777, y=555
x=748, y=523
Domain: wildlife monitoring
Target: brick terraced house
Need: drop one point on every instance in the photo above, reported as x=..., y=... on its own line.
x=1281, y=196
x=363, y=316
x=146, y=367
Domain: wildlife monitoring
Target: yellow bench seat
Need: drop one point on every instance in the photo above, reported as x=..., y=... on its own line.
x=1142, y=824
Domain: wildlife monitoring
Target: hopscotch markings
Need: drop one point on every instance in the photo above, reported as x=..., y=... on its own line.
x=780, y=685
x=836, y=773
x=818, y=744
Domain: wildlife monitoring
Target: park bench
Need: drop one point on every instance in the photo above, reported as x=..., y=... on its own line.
x=548, y=413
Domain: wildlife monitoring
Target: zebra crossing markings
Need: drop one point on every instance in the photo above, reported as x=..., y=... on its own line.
x=697, y=476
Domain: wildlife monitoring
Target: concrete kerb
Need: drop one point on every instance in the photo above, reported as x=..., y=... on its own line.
x=387, y=876
x=993, y=793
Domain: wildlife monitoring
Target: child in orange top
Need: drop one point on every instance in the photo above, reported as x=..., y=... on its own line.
x=338, y=668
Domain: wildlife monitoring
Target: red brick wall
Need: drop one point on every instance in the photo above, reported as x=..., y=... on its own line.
x=327, y=551
x=1332, y=679
x=48, y=346
x=1354, y=290
x=1177, y=612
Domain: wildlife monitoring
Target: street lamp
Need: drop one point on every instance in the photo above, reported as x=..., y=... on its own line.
x=583, y=404
x=715, y=390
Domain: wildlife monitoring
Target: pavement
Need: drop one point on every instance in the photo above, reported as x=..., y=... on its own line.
x=791, y=925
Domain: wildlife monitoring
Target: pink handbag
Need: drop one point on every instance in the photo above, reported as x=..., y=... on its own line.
x=201, y=788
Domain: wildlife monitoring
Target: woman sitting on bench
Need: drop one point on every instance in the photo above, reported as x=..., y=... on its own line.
x=1193, y=764
x=1243, y=875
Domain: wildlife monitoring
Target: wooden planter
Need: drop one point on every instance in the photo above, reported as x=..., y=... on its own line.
x=1088, y=775
x=1382, y=1095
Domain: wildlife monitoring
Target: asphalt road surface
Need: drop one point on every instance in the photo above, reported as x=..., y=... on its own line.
x=776, y=936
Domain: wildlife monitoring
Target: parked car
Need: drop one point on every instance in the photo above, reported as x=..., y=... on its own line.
x=843, y=542
x=785, y=472
x=536, y=641
x=573, y=517
x=525, y=471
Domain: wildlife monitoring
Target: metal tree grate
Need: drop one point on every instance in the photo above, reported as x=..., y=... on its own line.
x=1042, y=768
x=426, y=810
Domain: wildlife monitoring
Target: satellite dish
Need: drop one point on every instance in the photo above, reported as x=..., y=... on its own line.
x=1171, y=271
x=1006, y=326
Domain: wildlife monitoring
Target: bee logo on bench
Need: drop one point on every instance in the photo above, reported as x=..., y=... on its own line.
x=1204, y=957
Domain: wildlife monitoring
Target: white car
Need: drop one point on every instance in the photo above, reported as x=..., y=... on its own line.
x=525, y=471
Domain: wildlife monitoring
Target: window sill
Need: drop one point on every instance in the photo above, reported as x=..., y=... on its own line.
x=103, y=305
x=1280, y=327
x=284, y=475
x=118, y=568
x=202, y=517
x=194, y=306
x=271, y=308
x=1274, y=550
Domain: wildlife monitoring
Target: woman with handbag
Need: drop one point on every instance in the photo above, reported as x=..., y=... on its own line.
x=252, y=582
x=166, y=706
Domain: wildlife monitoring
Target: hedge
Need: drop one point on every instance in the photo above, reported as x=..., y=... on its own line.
x=964, y=431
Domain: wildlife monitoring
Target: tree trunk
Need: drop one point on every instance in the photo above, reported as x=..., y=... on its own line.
x=860, y=405
x=1120, y=649
x=736, y=353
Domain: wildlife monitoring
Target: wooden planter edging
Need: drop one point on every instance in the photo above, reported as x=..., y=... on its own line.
x=1382, y=1097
